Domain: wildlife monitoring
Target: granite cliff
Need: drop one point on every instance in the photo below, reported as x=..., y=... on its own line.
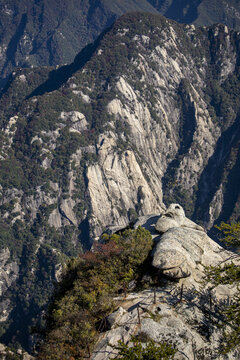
x=147, y=115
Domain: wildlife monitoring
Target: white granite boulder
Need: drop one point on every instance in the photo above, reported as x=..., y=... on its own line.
x=184, y=248
x=174, y=216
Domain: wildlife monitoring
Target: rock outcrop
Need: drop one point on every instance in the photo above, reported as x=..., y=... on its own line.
x=184, y=248
x=174, y=216
x=184, y=312
x=7, y=353
x=9, y=271
x=147, y=115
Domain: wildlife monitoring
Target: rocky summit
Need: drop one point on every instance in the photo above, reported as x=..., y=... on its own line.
x=183, y=312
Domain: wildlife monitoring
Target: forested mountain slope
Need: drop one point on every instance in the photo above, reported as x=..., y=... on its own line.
x=34, y=33
x=43, y=33
x=147, y=115
x=200, y=12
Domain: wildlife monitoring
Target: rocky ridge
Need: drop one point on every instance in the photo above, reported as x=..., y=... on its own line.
x=48, y=34
x=184, y=313
x=151, y=116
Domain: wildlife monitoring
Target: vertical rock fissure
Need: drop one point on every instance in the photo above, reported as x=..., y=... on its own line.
x=186, y=133
x=212, y=175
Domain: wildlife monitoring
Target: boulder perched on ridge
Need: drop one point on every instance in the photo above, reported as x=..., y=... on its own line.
x=184, y=248
x=174, y=216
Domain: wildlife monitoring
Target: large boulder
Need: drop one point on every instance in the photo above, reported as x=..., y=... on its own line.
x=184, y=249
x=182, y=252
x=174, y=216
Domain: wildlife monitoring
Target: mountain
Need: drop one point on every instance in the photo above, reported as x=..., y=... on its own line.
x=200, y=12
x=146, y=115
x=126, y=291
x=36, y=33
x=43, y=33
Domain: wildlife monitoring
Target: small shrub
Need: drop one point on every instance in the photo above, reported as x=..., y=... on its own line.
x=148, y=351
x=85, y=294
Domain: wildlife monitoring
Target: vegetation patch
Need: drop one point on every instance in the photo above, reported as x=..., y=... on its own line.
x=228, y=273
x=149, y=351
x=85, y=295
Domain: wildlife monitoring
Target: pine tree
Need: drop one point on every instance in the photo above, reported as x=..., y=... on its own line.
x=229, y=273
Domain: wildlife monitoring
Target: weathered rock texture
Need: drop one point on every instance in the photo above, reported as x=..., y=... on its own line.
x=184, y=324
x=184, y=249
x=6, y=353
x=49, y=33
x=146, y=116
x=186, y=312
x=9, y=271
x=174, y=216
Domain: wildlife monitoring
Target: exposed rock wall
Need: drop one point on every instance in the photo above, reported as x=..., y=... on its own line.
x=149, y=117
x=162, y=132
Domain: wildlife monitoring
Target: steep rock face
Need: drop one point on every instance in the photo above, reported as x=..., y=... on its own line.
x=9, y=271
x=118, y=178
x=150, y=115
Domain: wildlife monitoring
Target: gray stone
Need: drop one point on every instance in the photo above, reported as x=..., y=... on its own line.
x=110, y=230
x=182, y=320
x=175, y=217
x=115, y=316
x=148, y=222
x=9, y=270
x=179, y=323
x=184, y=248
x=182, y=252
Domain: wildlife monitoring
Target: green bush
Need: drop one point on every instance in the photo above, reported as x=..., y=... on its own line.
x=228, y=273
x=149, y=351
x=85, y=295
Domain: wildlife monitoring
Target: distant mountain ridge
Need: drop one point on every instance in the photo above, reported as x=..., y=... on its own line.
x=36, y=33
x=43, y=33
